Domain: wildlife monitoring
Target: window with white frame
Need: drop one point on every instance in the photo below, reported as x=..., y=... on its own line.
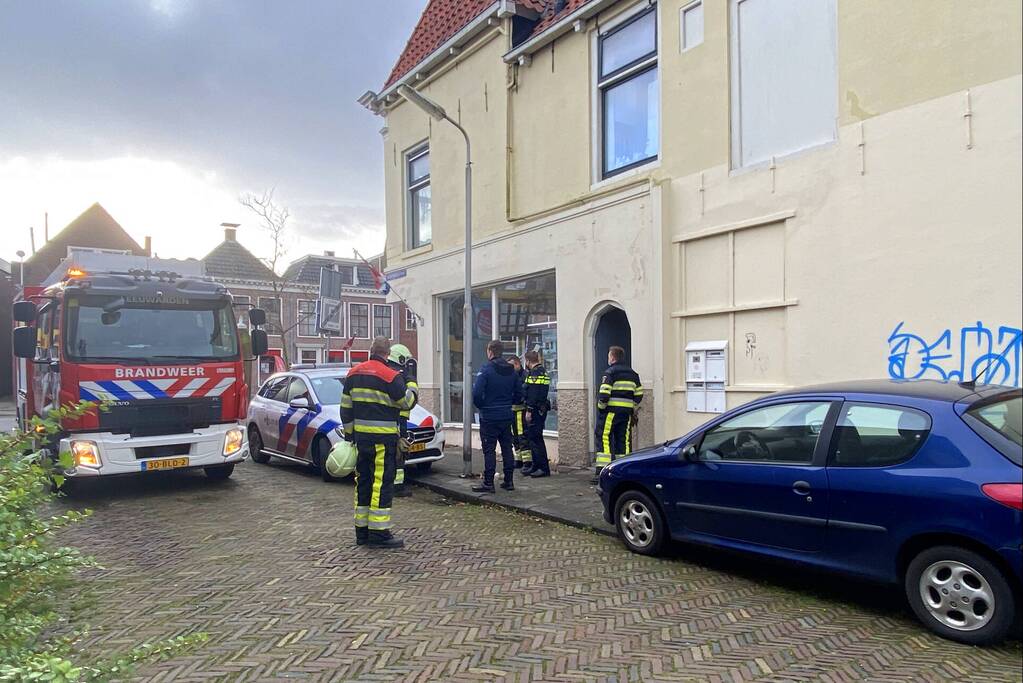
x=417, y=197
x=307, y=318
x=358, y=320
x=411, y=322
x=784, y=77
x=629, y=93
x=241, y=303
x=692, y=25
x=383, y=325
x=308, y=355
x=272, y=306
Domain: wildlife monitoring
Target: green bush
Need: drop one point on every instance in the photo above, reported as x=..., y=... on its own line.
x=36, y=572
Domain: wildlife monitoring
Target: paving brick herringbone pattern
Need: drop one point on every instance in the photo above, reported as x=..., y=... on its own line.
x=265, y=565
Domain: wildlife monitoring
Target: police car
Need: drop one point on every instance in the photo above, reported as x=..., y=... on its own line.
x=296, y=416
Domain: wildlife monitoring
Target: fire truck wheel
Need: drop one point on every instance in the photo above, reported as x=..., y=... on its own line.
x=256, y=446
x=321, y=449
x=220, y=472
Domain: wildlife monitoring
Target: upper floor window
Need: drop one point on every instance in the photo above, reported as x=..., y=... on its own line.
x=274, y=322
x=358, y=320
x=307, y=318
x=411, y=323
x=382, y=321
x=784, y=77
x=419, y=208
x=629, y=93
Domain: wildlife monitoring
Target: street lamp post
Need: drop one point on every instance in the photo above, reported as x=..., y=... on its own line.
x=437, y=112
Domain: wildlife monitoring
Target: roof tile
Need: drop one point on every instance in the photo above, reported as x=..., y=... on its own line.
x=441, y=20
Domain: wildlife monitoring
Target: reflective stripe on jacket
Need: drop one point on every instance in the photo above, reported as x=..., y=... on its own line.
x=620, y=389
x=373, y=398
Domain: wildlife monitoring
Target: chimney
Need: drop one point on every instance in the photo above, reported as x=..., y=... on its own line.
x=328, y=253
x=230, y=234
x=148, y=245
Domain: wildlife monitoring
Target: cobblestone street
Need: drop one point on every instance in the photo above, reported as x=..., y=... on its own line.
x=265, y=564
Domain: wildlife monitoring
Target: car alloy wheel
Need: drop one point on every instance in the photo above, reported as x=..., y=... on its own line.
x=639, y=523
x=960, y=595
x=957, y=595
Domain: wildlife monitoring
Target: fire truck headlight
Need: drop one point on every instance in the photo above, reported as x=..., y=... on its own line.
x=85, y=454
x=234, y=442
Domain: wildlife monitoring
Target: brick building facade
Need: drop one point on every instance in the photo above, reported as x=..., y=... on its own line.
x=291, y=310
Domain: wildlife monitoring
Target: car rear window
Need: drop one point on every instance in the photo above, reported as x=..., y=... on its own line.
x=1000, y=422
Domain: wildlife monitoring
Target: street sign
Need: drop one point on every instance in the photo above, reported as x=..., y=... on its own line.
x=328, y=315
x=396, y=274
x=328, y=306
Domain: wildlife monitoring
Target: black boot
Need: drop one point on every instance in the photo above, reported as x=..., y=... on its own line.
x=508, y=484
x=527, y=468
x=384, y=539
x=361, y=535
x=536, y=474
x=483, y=487
x=402, y=491
x=518, y=464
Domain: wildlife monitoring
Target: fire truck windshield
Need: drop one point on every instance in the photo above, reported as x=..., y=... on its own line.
x=109, y=329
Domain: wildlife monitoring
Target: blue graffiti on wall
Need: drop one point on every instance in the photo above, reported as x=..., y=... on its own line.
x=975, y=352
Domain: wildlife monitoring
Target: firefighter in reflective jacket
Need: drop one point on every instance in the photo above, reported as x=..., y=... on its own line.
x=371, y=403
x=617, y=401
x=401, y=359
x=520, y=440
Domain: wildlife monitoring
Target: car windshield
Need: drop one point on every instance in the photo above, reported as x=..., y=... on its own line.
x=110, y=328
x=328, y=389
x=1005, y=416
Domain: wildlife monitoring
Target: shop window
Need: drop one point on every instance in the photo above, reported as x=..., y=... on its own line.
x=527, y=319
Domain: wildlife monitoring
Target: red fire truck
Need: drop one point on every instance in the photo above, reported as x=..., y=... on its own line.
x=157, y=343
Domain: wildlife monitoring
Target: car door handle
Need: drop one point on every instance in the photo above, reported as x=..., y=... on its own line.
x=802, y=488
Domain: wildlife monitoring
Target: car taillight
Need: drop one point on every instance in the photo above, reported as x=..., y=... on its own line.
x=1010, y=495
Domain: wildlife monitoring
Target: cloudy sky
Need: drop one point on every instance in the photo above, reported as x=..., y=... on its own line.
x=166, y=111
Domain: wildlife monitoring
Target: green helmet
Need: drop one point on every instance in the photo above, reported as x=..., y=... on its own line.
x=400, y=354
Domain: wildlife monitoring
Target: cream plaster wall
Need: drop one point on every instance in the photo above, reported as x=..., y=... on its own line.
x=912, y=215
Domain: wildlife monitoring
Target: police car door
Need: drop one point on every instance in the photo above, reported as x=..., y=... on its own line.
x=271, y=407
x=299, y=412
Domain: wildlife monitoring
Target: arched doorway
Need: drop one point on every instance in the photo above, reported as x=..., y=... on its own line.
x=612, y=329
x=609, y=326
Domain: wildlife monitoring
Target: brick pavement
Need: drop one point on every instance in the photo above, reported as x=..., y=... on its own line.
x=264, y=563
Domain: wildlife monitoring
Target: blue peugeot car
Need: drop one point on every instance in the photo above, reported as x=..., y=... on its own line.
x=912, y=483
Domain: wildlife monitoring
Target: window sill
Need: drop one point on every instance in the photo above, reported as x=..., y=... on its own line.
x=418, y=251
x=625, y=176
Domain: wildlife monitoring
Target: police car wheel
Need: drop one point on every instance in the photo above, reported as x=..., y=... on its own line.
x=256, y=446
x=321, y=449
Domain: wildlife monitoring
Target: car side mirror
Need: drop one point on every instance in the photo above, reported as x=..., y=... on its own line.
x=257, y=316
x=688, y=453
x=300, y=402
x=259, y=342
x=24, y=342
x=24, y=312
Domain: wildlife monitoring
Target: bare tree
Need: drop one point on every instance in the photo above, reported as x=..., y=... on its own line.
x=273, y=219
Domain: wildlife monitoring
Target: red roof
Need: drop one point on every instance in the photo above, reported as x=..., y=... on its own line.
x=441, y=20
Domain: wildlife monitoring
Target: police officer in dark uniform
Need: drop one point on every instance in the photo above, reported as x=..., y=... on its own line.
x=520, y=442
x=618, y=399
x=371, y=403
x=538, y=386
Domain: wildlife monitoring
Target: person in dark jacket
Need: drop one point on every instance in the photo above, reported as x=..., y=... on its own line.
x=520, y=442
x=494, y=393
x=371, y=404
x=537, y=388
x=617, y=402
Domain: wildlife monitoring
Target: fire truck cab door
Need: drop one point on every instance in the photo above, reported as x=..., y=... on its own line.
x=46, y=365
